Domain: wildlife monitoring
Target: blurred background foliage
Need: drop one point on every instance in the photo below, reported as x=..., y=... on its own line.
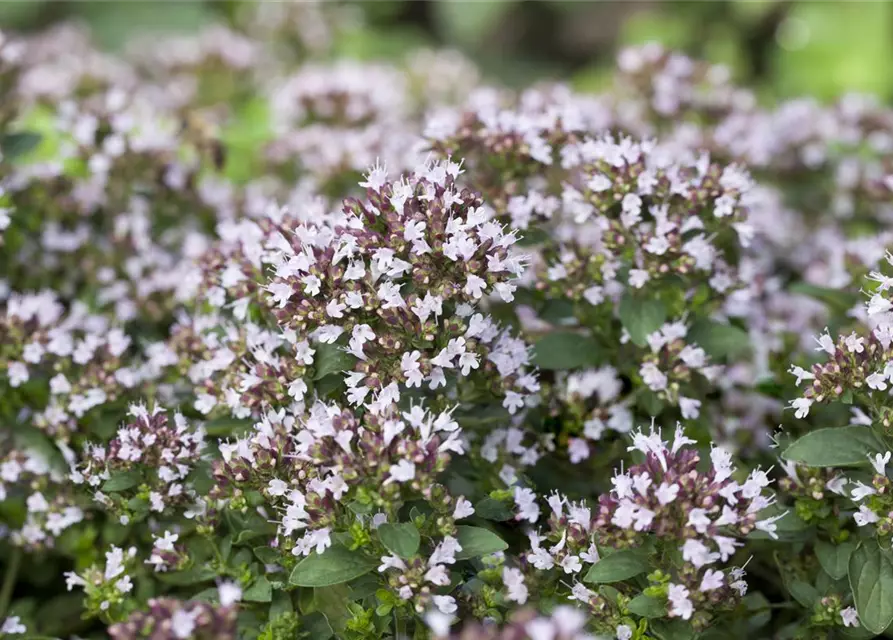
x=783, y=48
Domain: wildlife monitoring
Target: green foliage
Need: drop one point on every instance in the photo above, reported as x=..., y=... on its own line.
x=641, y=317
x=400, y=539
x=331, y=358
x=619, y=566
x=335, y=565
x=719, y=340
x=834, y=447
x=565, y=350
x=477, y=541
x=835, y=558
x=871, y=579
x=647, y=606
x=17, y=145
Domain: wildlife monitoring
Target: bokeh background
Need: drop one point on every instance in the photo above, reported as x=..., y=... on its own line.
x=783, y=48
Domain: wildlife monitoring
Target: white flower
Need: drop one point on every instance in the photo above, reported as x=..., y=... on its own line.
x=623, y=632
x=698, y=553
x=666, y=493
x=879, y=462
x=463, y=509
x=13, y=626
x=229, y=593
x=690, y=408
x=879, y=304
x=166, y=541
x=525, y=500
x=182, y=624
x=446, y=604
x=860, y=491
x=514, y=584
x=865, y=516
x=277, y=487
x=801, y=374
x=768, y=525
x=854, y=343
x=18, y=374
x=837, y=484
x=474, y=286
x=849, y=617
x=439, y=623
x=681, y=607
x=571, y=564
x=712, y=579
x=801, y=407
x=826, y=344
x=403, y=471
x=876, y=381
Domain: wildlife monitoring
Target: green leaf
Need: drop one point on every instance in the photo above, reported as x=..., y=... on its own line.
x=468, y=22
x=803, y=592
x=834, y=447
x=16, y=145
x=477, y=541
x=647, y=607
x=122, y=481
x=719, y=340
x=835, y=558
x=281, y=604
x=840, y=299
x=224, y=427
x=871, y=580
x=332, y=603
x=672, y=630
x=317, y=626
x=565, y=350
x=193, y=575
x=267, y=555
x=641, y=317
x=493, y=509
x=620, y=565
x=260, y=591
x=400, y=539
x=336, y=565
x=331, y=358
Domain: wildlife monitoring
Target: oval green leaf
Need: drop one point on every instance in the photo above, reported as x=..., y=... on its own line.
x=336, y=565
x=331, y=358
x=871, y=580
x=122, y=481
x=647, y=607
x=834, y=447
x=477, y=541
x=835, y=558
x=400, y=539
x=565, y=350
x=641, y=317
x=620, y=565
x=719, y=340
x=260, y=591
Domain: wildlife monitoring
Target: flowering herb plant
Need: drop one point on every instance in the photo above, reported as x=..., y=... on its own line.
x=294, y=348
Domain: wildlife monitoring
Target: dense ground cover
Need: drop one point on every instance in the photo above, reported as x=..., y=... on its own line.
x=298, y=346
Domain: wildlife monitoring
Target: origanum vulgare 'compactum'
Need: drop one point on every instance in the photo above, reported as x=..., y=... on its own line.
x=303, y=347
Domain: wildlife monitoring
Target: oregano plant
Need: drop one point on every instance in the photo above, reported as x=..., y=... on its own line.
x=294, y=345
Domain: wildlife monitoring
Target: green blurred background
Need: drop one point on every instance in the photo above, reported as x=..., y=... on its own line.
x=783, y=48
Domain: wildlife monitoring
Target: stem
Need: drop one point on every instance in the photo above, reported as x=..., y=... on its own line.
x=9, y=580
x=400, y=627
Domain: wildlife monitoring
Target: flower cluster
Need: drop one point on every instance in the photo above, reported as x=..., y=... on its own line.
x=701, y=516
x=407, y=322
x=393, y=285
x=28, y=478
x=143, y=468
x=170, y=618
